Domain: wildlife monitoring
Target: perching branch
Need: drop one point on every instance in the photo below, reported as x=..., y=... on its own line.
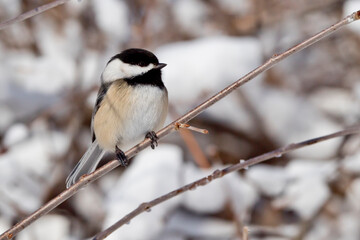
x=32, y=13
x=220, y=173
x=163, y=132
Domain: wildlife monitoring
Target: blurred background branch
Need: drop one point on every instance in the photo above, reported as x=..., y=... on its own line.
x=32, y=13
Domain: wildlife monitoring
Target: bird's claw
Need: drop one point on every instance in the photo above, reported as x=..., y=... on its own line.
x=153, y=137
x=121, y=157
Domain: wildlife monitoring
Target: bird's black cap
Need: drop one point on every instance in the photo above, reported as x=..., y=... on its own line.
x=137, y=56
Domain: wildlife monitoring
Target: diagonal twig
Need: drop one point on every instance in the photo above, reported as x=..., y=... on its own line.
x=220, y=173
x=32, y=13
x=166, y=130
x=245, y=235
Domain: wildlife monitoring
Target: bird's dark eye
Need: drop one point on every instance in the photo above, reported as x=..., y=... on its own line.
x=143, y=64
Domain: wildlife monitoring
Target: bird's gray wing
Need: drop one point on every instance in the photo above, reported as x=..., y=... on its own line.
x=100, y=97
x=87, y=163
x=93, y=155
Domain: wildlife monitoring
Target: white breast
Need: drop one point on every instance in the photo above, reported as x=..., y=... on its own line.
x=127, y=113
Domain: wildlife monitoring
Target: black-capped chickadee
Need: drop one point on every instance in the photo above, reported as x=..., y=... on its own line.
x=131, y=104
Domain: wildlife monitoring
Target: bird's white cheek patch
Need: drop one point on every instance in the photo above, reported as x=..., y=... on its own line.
x=133, y=71
x=116, y=69
x=113, y=71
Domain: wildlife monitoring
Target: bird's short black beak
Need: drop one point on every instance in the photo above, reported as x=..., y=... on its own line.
x=160, y=65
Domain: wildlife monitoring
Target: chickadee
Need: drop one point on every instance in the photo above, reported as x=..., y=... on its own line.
x=131, y=104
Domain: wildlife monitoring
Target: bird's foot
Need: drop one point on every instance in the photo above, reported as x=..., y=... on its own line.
x=153, y=137
x=121, y=157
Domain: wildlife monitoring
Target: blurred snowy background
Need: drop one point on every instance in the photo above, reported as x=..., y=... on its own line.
x=49, y=74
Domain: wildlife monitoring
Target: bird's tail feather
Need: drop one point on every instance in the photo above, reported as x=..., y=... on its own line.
x=87, y=163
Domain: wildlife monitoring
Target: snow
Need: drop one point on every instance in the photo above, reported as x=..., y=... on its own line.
x=110, y=13
x=32, y=74
x=357, y=92
x=290, y=118
x=270, y=180
x=17, y=30
x=308, y=168
x=4, y=224
x=41, y=148
x=193, y=68
x=58, y=49
x=85, y=201
x=285, y=232
x=351, y=163
x=241, y=194
x=352, y=145
x=183, y=223
x=150, y=175
x=90, y=70
x=321, y=230
x=75, y=8
x=190, y=15
x=15, y=133
x=306, y=196
x=73, y=38
x=7, y=117
x=213, y=197
x=209, y=199
x=11, y=9
x=49, y=227
x=349, y=226
x=301, y=185
x=238, y=7
x=353, y=195
x=26, y=87
x=336, y=102
x=351, y=6
x=22, y=171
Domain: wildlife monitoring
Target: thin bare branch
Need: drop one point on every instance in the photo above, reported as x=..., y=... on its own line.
x=163, y=132
x=32, y=13
x=187, y=126
x=245, y=235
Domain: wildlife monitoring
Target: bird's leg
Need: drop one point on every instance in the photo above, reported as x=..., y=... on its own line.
x=153, y=137
x=121, y=157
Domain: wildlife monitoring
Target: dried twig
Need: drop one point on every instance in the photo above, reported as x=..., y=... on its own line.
x=185, y=118
x=193, y=146
x=187, y=126
x=245, y=235
x=32, y=13
x=220, y=173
